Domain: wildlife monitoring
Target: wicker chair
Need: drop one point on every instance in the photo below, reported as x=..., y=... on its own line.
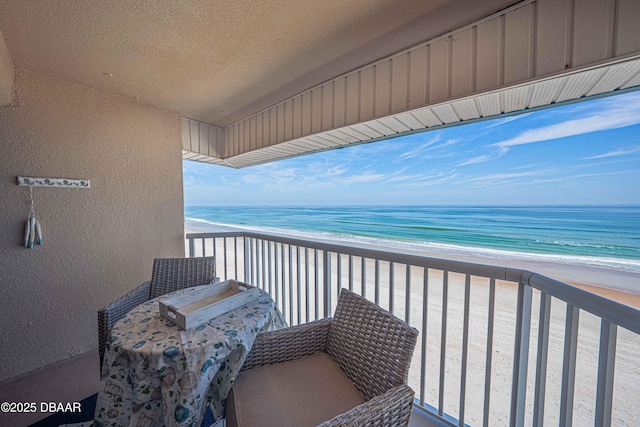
x=169, y=274
x=371, y=347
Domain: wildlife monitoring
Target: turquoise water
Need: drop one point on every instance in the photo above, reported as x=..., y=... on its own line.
x=584, y=235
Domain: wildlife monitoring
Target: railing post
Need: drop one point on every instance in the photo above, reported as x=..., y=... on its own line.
x=291, y=285
x=569, y=365
x=224, y=246
x=283, y=269
x=443, y=341
x=351, y=272
x=425, y=322
x=192, y=247
x=606, y=368
x=316, y=297
x=235, y=256
x=306, y=283
x=299, y=282
x=377, y=282
x=270, y=258
x=465, y=348
x=521, y=355
x=326, y=273
x=407, y=292
x=251, y=259
x=391, y=288
x=257, y=267
x=541, y=368
x=489, y=355
x=276, y=284
x=246, y=259
x=363, y=276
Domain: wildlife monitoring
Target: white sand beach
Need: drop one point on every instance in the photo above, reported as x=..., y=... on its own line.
x=617, y=285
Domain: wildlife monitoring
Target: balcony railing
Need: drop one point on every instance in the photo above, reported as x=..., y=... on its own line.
x=497, y=346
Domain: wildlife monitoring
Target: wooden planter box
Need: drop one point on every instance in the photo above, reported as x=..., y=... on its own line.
x=196, y=308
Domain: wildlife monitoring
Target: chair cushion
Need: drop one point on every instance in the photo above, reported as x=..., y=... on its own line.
x=299, y=393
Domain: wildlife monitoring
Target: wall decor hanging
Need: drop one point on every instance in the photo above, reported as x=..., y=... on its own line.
x=32, y=227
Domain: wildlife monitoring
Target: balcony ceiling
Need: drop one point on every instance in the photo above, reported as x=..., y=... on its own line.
x=219, y=61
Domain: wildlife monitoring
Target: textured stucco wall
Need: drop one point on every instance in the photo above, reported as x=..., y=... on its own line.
x=6, y=73
x=98, y=243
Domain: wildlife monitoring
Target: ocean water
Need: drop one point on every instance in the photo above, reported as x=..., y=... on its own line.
x=606, y=236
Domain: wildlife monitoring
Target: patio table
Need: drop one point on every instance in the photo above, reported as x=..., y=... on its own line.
x=155, y=373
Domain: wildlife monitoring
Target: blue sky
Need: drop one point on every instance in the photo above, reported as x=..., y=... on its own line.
x=584, y=153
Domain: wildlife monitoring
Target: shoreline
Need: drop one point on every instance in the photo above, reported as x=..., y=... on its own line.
x=617, y=285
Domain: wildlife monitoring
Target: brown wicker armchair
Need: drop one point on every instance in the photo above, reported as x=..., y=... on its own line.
x=169, y=274
x=366, y=344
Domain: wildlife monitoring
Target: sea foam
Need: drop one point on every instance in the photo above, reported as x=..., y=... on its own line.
x=429, y=248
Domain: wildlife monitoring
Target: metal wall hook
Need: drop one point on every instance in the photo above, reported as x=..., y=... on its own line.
x=53, y=182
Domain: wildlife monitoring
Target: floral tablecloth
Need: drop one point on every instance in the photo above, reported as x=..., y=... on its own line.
x=156, y=374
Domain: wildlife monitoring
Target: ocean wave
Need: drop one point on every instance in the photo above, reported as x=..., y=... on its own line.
x=441, y=248
x=576, y=244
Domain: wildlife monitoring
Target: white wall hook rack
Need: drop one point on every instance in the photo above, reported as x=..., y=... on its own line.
x=53, y=182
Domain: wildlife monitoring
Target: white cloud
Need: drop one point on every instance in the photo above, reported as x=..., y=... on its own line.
x=618, y=152
x=414, y=177
x=362, y=178
x=612, y=115
x=450, y=141
x=335, y=171
x=587, y=175
x=369, y=176
x=479, y=159
x=419, y=149
x=520, y=179
x=560, y=179
x=251, y=179
x=287, y=173
x=429, y=180
x=498, y=176
x=528, y=166
x=508, y=178
x=505, y=120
